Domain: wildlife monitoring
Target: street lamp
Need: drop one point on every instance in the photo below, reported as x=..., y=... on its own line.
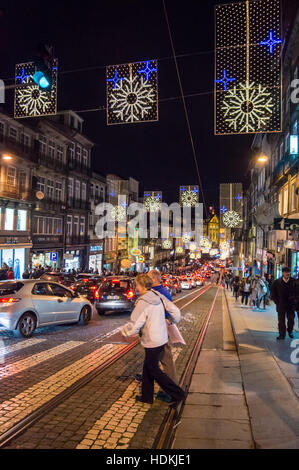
x=5, y=156
x=263, y=159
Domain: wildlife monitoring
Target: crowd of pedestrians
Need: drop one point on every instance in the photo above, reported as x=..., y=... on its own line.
x=256, y=292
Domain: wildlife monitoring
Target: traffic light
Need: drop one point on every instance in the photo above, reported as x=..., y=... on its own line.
x=43, y=66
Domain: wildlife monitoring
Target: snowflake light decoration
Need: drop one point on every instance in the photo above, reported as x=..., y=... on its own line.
x=30, y=99
x=189, y=195
x=204, y=242
x=152, y=201
x=132, y=94
x=224, y=246
x=179, y=249
x=167, y=244
x=186, y=238
x=231, y=219
x=118, y=213
x=192, y=246
x=247, y=107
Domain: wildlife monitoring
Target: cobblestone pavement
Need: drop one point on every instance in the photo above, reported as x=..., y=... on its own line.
x=103, y=413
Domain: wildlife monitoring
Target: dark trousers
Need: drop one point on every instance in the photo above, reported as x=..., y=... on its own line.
x=245, y=296
x=152, y=372
x=236, y=292
x=284, y=314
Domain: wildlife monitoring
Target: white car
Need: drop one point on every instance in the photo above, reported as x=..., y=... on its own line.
x=186, y=283
x=29, y=304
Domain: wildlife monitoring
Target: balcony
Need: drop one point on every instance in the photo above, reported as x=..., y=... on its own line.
x=78, y=166
x=288, y=164
x=73, y=203
x=17, y=148
x=8, y=191
x=77, y=240
x=50, y=162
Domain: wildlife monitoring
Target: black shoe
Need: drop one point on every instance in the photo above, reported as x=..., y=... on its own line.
x=280, y=337
x=139, y=398
x=174, y=403
x=291, y=335
x=138, y=377
x=164, y=397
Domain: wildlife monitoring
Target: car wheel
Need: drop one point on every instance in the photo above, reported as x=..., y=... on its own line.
x=85, y=315
x=26, y=325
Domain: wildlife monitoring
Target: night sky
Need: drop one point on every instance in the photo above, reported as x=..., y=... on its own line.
x=92, y=34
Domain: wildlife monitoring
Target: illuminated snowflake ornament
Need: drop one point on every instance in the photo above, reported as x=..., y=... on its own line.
x=167, y=244
x=152, y=201
x=189, y=195
x=30, y=99
x=232, y=219
x=186, y=238
x=247, y=107
x=132, y=94
x=179, y=250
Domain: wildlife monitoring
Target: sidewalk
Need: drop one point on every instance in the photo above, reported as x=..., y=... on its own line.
x=270, y=379
x=215, y=415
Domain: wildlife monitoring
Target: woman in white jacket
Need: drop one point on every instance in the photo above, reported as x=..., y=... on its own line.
x=148, y=320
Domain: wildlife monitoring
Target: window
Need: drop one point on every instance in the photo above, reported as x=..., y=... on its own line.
x=50, y=189
x=59, y=291
x=26, y=140
x=79, y=153
x=13, y=134
x=40, y=289
x=85, y=157
x=1, y=128
x=22, y=220
x=92, y=190
x=293, y=196
x=11, y=176
x=285, y=200
x=42, y=144
x=40, y=228
x=69, y=225
x=70, y=187
x=59, y=226
x=51, y=147
x=41, y=184
x=72, y=152
x=77, y=189
x=82, y=225
x=9, y=219
x=83, y=196
x=59, y=153
x=76, y=225
x=58, y=191
x=23, y=179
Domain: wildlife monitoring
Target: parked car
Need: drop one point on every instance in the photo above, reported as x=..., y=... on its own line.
x=31, y=303
x=199, y=281
x=87, y=287
x=186, y=283
x=62, y=278
x=116, y=294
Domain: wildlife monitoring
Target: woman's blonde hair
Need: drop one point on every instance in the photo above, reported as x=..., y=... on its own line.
x=144, y=280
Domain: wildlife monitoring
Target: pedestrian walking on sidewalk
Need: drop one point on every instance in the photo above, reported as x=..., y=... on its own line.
x=283, y=293
x=236, y=286
x=254, y=290
x=148, y=320
x=261, y=292
x=245, y=288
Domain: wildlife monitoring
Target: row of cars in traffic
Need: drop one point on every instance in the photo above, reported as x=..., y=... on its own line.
x=59, y=298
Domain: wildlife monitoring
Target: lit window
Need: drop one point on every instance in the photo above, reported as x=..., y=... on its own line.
x=11, y=176
x=9, y=219
x=22, y=220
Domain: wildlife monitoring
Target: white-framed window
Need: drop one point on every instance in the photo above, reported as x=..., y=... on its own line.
x=9, y=218
x=11, y=176
x=22, y=220
x=51, y=149
x=58, y=191
x=41, y=184
x=23, y=179
x=70, y=187
x=13, y=133
x=293, y=196
x=102, y=193
x=69, y=221
x=83, y=194
x=42, y=144
x=50, y=189
x=82, y=225
x=85, y=157
x=79, y=153
x=285, y=200
x=26, y=140
x=59, y=153
x=92, y=190
x=77, y=189
x=76, y=224
x=72, y=152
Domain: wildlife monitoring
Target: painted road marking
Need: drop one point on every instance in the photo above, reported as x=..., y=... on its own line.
x=21, y=345
x=11, y=369
x=17, y=408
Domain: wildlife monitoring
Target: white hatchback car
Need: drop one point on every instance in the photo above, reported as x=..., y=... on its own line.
x=29, y=304
x=186, y=283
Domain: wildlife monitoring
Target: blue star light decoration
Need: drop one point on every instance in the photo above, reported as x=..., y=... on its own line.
x=115, y=79
x=238, y=198
x=223, y=209
x=147, y=70
x=23, y=76
x=271, y=42
x=225, y=80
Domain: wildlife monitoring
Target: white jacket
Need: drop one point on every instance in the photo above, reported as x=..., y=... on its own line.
x=148, y=319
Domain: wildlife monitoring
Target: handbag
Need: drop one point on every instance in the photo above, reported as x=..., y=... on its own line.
x=174, y=334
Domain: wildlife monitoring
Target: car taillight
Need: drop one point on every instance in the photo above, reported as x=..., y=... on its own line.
x=96, y=294
x=73, y=287
x=165, y=283
x=9, y=300
x=130, y=294
x=92, y=287
x=85, y=280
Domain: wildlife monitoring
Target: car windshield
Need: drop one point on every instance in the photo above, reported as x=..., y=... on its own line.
x=115, y=285
x=7, y=288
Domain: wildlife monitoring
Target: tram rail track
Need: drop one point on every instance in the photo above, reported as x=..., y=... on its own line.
x=24, y=424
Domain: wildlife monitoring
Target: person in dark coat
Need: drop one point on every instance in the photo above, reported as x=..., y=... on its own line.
x=283, y=293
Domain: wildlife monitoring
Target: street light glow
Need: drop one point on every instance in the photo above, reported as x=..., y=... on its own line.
x=263, y=159
x=6, y=157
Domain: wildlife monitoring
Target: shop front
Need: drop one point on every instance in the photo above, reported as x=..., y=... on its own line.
x=95, y=260
x=47, y=251
x=74, y=259
x=15, y=257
